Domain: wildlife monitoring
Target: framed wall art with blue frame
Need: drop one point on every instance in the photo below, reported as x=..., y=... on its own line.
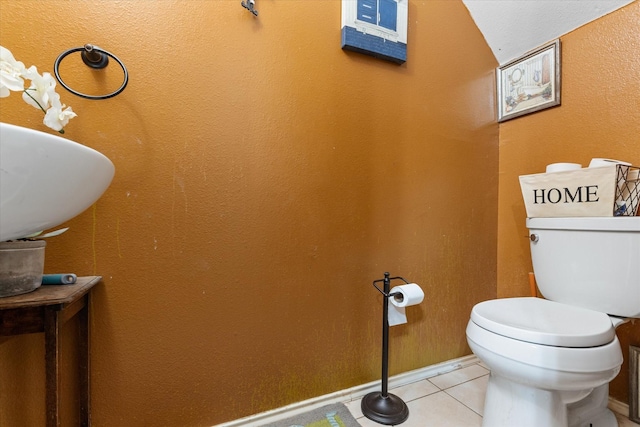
x=376, y=27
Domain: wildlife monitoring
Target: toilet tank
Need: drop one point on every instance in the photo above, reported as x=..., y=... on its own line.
x=588, y=262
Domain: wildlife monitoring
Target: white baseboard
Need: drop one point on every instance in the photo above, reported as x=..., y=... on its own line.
x=619, y=407
x=352, y=393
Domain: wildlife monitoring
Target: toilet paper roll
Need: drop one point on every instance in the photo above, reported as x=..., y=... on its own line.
x=561, y=167
x=623, y=202
x=407, y=295
x=599, y=162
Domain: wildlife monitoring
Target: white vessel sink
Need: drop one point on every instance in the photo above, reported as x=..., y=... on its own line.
x=46, y=180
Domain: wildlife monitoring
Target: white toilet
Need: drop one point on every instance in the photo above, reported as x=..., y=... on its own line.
x=552, y=359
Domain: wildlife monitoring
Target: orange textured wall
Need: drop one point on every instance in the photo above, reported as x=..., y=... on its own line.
x=599, y=117
x=264, y=178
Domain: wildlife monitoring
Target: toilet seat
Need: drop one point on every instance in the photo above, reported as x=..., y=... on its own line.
x=540, y=321
x=500, y=352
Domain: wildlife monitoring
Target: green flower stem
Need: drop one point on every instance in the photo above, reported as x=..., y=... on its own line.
x=43, y=110
x=34, y=100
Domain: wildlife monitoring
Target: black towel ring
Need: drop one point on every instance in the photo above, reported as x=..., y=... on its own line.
x=93, y=57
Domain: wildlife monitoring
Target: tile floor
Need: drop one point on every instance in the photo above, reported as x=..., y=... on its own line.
x=454, y=399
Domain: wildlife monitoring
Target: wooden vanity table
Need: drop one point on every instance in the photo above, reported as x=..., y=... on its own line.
x=45, y=310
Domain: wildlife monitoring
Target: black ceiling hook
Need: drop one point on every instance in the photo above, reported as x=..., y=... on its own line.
x=250, y=6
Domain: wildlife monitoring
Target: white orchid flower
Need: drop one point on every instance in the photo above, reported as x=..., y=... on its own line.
x=41, y=94
x=42, y=88
x=58, y=116
x=10, y=73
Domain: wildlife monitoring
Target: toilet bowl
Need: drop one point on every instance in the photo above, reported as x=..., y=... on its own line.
x=538, y=369
x=551, y=360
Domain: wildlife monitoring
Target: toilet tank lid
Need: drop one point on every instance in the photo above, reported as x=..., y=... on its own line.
x=545, y=322
x=618, y=223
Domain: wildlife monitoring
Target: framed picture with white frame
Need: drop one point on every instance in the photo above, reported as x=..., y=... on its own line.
x=530, y=83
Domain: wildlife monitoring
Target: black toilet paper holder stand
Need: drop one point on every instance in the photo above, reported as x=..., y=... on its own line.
x=382, y=406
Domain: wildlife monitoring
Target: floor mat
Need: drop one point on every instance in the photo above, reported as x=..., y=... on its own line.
x=336, y=415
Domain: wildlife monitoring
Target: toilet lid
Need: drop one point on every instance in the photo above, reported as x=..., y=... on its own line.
x=541, y=321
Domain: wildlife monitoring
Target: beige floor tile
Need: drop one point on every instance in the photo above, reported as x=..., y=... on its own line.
x=415, y=390
x=354, y=408
x=461, y=405
x=440, y=409
x=459, y=376
x=366, y=422
x=624, y=421
x=471, y=393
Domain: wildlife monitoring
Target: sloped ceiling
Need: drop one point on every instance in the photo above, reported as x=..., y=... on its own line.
x=514, y=27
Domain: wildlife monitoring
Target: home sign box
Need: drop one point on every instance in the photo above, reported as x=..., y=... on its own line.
x=600, y=191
